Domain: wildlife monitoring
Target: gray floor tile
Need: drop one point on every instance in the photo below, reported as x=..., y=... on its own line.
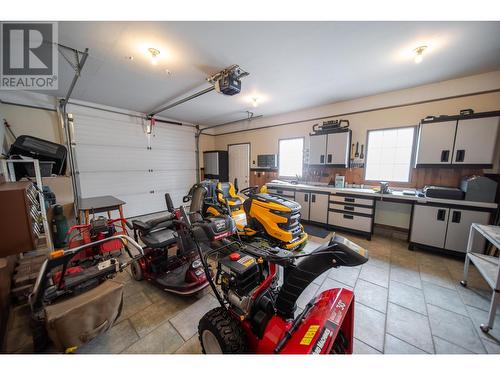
x=154, y=315
x=375, y=275
x=409, y=326
x=369, y=326
x=478, y=298
x=479, y=317
x=371, y=295
x=186, y=321
x=406, y=276
x=332, y=284
x=118, y=338
x=445, y=347
x=454, y=328
x=359, y=347
x=393, y=345
x=491, y=347
x=132, y=304
x=407, y=296
x=444, y=297
x=382, y=262
x=346, y=275
x=163, y=339
x=191, y=346
x=436, y=274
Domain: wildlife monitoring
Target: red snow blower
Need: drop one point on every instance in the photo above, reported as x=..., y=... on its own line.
x=257, y=287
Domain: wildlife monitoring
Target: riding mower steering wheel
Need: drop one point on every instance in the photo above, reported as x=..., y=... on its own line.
x=249, y=191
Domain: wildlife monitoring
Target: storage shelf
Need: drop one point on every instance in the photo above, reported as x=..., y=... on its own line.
x=487, y=267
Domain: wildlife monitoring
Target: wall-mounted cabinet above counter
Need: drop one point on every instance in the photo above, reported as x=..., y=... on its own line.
x=330, y=149
x=459, y=141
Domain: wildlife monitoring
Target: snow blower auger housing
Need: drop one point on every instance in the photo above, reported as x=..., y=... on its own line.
x=274, y=218
x=258, y=287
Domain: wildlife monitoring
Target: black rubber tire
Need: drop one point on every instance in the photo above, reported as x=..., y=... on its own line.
x=136, y=269
x=226, y=329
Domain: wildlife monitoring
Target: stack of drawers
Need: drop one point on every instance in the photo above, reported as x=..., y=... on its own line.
x=351, y=212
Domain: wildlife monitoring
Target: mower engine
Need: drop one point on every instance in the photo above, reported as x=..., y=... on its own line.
x=238, y=275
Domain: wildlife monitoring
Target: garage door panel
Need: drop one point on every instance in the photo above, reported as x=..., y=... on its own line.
x=164, y=160
x=105, y=158
x=99, y=183
x=112, y=158
x=174, y=138
x=129, y=133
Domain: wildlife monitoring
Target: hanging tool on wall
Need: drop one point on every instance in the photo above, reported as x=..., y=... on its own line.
x=361, y=155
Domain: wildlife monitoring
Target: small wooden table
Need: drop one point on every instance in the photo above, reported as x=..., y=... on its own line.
x=105, y=203
x=488, y=266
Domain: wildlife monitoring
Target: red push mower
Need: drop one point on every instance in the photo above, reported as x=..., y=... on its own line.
x=74, y=298
x=257, y=288
x=171, y=259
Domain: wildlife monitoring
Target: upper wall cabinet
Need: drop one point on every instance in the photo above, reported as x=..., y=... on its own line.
x=476, y=140
x=460, y=141
x=330, y=149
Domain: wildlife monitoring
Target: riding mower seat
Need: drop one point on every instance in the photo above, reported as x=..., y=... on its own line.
x=229, y=195
x=159, y=238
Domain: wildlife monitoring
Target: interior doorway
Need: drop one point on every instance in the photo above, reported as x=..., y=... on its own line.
x=239, y=164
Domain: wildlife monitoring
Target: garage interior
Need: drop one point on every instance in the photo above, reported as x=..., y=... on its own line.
x=377, y=138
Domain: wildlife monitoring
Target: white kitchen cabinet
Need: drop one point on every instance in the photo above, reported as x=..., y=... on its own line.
x=303, y=198
x=459, y=224
x=318, y=211
x=337, y=149
x=317, y=149
x=476, y=140
x=429, y=225
x=435, y=142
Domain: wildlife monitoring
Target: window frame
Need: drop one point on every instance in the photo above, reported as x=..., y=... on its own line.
x=279, y=158
x=412, y=157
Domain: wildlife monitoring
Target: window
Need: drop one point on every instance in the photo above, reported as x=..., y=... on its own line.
x=290, y=157
x=389, y=154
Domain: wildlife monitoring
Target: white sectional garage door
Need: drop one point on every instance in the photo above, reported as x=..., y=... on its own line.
x=112, y=158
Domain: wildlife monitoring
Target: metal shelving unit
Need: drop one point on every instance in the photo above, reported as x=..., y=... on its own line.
x=488, y=266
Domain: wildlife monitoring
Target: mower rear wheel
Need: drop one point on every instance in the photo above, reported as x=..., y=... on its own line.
x=136, y=271
x=220, y=333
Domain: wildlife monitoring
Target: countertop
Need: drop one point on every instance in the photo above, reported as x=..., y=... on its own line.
x=395, y=194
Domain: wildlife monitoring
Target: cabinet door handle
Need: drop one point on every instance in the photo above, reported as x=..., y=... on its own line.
x=329, y=158
x=457, y=215
x=460, y=156
x=441, y=214
x=322, y=159
x=349, y=208
x=445, y=155
x=350, y=217
x=347, y=199
x=313, y=198
x=306, y=197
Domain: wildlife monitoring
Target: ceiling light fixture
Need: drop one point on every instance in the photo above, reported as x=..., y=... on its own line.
x=154, y=55
x=255, y=102
x=419, y=54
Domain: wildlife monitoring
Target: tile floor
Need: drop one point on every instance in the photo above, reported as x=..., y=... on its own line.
x=406, y=302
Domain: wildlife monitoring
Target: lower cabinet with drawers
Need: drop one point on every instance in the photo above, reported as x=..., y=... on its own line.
x=351, y=213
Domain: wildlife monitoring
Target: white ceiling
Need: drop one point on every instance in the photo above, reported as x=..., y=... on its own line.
x=292, y=65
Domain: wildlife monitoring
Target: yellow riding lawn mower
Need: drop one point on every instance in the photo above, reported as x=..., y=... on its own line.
x=268, y=216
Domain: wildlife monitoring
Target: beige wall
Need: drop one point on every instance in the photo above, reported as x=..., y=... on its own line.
x=35, y=122
x=265, y=141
